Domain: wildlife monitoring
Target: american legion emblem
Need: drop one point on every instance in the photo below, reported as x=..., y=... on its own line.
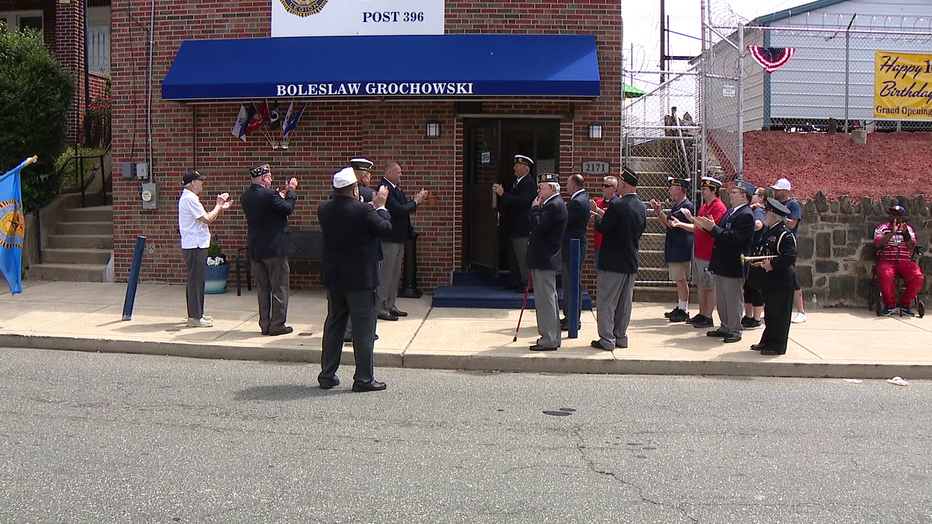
x=12, y=224
x=303, y=8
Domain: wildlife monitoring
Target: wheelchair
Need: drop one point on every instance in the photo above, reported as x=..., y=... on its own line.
x=874, y=298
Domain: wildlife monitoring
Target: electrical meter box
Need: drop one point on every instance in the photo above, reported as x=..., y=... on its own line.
x=150, y=195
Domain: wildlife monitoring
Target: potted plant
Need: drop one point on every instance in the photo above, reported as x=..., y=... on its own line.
x=217, y=269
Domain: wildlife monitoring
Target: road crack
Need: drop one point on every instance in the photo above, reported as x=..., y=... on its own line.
x=581, y=448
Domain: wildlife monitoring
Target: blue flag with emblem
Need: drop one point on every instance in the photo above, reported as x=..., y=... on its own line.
x=12, y=227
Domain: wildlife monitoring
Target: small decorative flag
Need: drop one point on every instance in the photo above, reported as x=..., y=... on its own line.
x=291, y=120
x=242, y=120
x=771, y=57
x=259, y=116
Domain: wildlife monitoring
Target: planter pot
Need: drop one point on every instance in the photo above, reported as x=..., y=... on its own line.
x=216, y=282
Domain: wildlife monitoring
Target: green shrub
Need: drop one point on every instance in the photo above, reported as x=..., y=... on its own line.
x=35, y=95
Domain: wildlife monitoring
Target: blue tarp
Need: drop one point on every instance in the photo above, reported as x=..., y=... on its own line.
x=431, y=66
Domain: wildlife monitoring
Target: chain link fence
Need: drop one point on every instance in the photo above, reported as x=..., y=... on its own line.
x=838, y=71
x=661, y=140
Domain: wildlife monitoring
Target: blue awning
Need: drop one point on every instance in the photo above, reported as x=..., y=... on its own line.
x=432, y=66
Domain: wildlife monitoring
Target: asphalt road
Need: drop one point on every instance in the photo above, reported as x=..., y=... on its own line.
x=127, y=438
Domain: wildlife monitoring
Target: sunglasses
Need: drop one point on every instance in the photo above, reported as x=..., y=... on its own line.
x=607, y=185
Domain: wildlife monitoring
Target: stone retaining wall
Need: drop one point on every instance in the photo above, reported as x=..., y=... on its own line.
x=836, y=246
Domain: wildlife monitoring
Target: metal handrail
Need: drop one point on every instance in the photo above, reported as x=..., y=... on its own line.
x=103, y=188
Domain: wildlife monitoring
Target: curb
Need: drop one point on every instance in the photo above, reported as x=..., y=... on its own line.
x=500, y=363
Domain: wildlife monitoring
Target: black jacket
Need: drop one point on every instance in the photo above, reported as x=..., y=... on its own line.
x=548, y=223
x=622, y=226
x=400, y=209
x=517, y=204
x=351, y=254
x=268, y=234
x=366, y=193
x=732, y=237
x=778, y=240
x=577, y=222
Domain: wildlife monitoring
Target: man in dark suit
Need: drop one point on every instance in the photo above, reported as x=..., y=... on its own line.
x=732, y=236
x=351, y=276
x=776, y=278
x=517, y=205
x=621, y=225
x=548, y=223
x=393, y=247
x=268, y=244
x=577, y=223
x=363, y=170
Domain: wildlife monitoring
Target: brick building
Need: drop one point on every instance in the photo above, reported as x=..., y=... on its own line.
x=478, y=133
x=78, y=34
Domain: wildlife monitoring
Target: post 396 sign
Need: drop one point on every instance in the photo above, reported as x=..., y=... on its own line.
x=902, y=86
x=357, y=17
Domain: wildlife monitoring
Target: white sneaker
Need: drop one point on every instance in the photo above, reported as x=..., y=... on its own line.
x=207, y=318
x=200, y=322
x=800, y=318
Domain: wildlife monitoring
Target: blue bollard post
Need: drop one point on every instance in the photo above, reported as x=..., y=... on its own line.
x=572, y=304
x=133, y=278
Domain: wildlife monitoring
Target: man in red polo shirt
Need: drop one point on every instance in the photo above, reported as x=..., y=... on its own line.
x=609, y=193
x=714, y=208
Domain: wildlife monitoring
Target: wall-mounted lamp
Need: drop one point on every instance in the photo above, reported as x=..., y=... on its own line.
x=595, y=131
x=433, y=129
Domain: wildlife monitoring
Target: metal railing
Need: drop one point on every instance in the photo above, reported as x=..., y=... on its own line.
x=79, y=165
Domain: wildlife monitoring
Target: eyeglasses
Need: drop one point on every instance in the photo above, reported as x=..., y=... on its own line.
x=607, y=185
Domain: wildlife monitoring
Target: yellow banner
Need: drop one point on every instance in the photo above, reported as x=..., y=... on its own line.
x=902, y=86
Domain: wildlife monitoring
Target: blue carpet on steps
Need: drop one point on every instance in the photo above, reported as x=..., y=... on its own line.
x=476, y=290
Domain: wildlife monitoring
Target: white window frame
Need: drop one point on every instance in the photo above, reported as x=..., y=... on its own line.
x=12, y=18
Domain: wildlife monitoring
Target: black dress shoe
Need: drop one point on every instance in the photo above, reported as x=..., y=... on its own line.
x=397, y=312
x=717, y=333
x=285, y=331
x=772, y=352
x=387, y=316
x=758, y=347
x=375, y=385
x=597, y=344
x=538, y=347
x=328, y=383
x=704, y=322
x=732, y=338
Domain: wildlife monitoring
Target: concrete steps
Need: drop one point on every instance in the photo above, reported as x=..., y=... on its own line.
x=69, y=272
x=80, y=249
x=75, y=256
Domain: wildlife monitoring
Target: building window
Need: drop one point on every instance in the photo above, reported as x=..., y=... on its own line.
x=98, y=39
x=19, y=20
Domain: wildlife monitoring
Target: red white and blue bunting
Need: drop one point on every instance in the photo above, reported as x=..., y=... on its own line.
x=771, y=57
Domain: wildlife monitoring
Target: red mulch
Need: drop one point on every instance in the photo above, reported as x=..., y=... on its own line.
x=890, y=164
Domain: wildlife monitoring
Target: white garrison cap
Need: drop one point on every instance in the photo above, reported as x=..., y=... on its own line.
x=344, y=177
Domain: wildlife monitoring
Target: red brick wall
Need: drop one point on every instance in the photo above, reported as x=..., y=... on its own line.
x=69, y=49
x=330, y=132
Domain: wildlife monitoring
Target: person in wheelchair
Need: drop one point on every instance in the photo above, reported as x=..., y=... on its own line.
x=895, y=242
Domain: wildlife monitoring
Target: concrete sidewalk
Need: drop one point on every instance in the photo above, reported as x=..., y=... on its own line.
x=88, y=317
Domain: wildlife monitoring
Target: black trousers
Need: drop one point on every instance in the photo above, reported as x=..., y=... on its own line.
x=196, y=261
x=778, y=309
x=363, y=308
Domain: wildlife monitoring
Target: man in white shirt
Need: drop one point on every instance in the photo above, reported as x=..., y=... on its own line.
x=195, y=239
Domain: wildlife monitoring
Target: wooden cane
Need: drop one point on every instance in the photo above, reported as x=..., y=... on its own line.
x=526, y=291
